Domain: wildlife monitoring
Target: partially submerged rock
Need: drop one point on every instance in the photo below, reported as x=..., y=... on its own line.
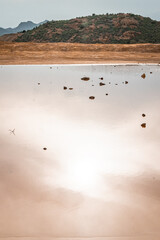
x=126, y=82
x=65, y=88
x=143, y=76
x=85, y=78
x=101, y=84
x=143, y=115
x=92, y=97
x=143, y=125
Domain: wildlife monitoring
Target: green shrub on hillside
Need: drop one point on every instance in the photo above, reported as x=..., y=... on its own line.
x=119, y=28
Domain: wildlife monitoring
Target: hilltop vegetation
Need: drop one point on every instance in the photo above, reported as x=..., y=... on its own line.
x=108, y=28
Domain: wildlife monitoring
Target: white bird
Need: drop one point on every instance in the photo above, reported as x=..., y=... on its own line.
x=12, y=131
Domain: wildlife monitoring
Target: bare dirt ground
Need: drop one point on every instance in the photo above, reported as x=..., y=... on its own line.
x=74, y=53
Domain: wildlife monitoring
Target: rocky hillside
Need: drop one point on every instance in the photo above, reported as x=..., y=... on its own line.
x=108, y=28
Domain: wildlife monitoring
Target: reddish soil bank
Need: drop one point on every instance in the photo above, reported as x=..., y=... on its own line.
x=70, y=53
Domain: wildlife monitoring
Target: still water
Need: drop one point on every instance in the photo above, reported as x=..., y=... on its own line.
x=80, y=158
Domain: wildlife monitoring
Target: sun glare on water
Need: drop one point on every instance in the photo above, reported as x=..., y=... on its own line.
x=84, y=176
x=86, y=158
x=91, y=157
x=85, y=154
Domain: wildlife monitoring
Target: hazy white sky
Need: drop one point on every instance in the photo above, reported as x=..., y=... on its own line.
x=12, y=12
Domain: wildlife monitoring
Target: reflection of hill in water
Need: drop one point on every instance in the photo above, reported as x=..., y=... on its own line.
x=99, y=174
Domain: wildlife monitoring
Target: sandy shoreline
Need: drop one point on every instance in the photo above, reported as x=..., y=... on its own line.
x=68, y=53
x=84, y=64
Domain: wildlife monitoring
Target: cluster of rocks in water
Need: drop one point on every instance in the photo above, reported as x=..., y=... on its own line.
x=143, y=125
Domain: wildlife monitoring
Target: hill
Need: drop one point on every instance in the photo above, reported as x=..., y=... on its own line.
x=109, y=28
x=23, y=26
x=9, y=37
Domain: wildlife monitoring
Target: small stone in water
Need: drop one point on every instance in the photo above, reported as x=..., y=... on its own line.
x=92, y=97
x=143, y=76
x=101, y=84
x=143, y=125
x=85, y=78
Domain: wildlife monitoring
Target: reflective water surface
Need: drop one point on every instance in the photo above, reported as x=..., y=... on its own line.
x=79, y=152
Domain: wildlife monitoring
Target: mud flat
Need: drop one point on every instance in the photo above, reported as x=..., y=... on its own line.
x=12, y=53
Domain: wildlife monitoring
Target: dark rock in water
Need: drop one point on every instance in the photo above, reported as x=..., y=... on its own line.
x=150, y=72
x=143, y=76
x=50, y=67
x=126, y=82
x=85, y=78
x=44, y=148
x=109, y=82
x=70, y=88
x=101, y=84
x=39, y=83
x=92, y=85
x=106, y=94
x=92, y=97
x=101, y=78
x=143, y=115
x=116, y=84
x=143, y=125
x=65, y=88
